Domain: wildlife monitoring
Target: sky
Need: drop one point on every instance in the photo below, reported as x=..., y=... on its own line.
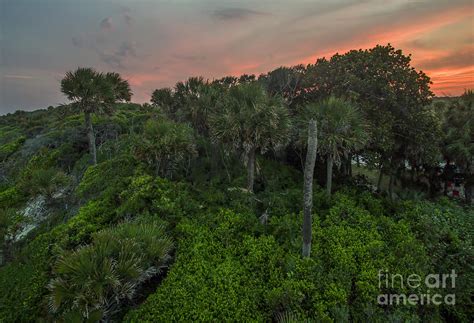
x=155, y=43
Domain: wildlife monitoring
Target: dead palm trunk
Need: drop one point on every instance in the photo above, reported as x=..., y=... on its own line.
x=308, y=186
x=330, y=162
x=91, y=136
x=250, y=169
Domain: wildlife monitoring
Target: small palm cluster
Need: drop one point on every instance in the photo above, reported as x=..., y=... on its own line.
x=252, y=122
x=93, y=281
x=164, y=145
x=341, y=130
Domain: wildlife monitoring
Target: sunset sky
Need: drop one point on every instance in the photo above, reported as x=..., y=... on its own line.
x=155, y=43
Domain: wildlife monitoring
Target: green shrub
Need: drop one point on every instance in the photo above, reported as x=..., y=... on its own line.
x=220, y=273
x=446, y=231
x=340, y=280
x=8, y=149
x=156, y=197
x=106, y=178
x=23, y=282
x=11, y=197
x=44, y=181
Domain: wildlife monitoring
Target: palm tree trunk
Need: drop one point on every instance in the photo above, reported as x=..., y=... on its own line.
x=330, y=162
x=91, y=136
x=250, y=169
x=308, y=186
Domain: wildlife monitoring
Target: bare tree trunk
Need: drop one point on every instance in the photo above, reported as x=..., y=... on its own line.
x=308, y=186
x=330, y=163
x=250, y=169
x=91, y=136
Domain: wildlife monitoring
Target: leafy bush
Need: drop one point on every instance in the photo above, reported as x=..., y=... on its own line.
x=219, y=274
x=23, y=281
x=11, y=196
x=156, y=197
x=350, y=245
x=106, y=178
x=446, y=230
x=8, y=149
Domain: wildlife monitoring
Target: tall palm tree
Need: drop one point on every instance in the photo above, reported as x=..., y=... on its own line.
x=342, y=129
x=251, y=121
x=93, y=92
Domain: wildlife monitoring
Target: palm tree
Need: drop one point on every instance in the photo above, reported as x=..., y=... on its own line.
x=91, y=283
x=341, y=130
x=93, y=92
x=252, y=122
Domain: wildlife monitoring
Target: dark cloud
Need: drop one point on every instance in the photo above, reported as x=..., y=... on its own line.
x=127, y=49
x=116, y=59
x=311, y=11
x=463, y=58
x=112, y=60
x=106, y=24
x=235, y=13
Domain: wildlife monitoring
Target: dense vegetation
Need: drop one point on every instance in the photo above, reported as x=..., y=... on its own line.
x=195, y=207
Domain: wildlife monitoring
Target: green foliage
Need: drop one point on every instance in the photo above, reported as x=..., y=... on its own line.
x=156, y=197
x=340, y=280
x=391, y=94
x=445, y=230
x=8, y=149
x=105, y=239
x=23, y=282
x=92, y=91
x=11, y=197
x=218, y=274
x=91, y=282
x=165, y=146
x=44, y=181
x=248, y=119
x=107, y=178
x=341, y=127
